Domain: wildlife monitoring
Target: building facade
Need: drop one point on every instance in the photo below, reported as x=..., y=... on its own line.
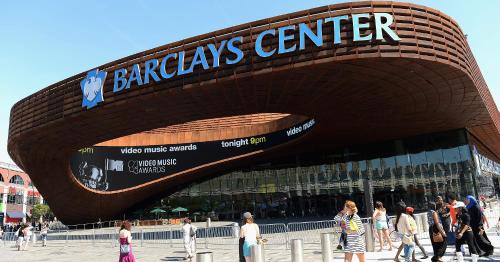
x=316, y=184
x=18, y=195
x=285, y=116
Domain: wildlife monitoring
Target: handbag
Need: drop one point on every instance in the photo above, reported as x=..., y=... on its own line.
x=437, y=237
x=408, y=239
x=124, y=249
x=261, y=240
x=192, y=232
x=353, y=225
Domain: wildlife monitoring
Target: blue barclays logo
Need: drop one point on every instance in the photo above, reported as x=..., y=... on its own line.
x=92, y=86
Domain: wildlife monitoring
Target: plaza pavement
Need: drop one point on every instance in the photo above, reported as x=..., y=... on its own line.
x=88, y=252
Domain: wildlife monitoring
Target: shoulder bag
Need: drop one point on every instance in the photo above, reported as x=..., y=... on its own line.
x=124, y=249
x=192, y=232
x=408, y=239
x=436, y=235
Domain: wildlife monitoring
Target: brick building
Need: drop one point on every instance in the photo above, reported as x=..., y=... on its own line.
x=18, y=195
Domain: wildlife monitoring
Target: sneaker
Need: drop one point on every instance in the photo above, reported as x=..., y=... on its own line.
x=424, y=257
x=339, y=247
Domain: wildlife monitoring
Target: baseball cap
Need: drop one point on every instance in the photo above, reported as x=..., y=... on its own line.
x=459, y=204
x=247, y=215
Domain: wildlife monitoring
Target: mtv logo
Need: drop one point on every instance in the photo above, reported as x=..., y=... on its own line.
x=114, y=165
x=92, y=88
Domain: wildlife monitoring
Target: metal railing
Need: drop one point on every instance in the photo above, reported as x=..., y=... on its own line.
x=278, y=235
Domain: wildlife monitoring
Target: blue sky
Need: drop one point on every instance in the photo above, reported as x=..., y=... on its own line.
x=43, y=42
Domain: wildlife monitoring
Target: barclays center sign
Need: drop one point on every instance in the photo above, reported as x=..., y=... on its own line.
x=156, y=70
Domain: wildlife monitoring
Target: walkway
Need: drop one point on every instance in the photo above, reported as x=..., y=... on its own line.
x=87, y=252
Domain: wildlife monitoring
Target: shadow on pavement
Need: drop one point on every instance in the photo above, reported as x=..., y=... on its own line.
x=173, y=259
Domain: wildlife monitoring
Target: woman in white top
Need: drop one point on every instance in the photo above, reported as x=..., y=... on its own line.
x=407, y=228
x=381, y=224
x=249, y=231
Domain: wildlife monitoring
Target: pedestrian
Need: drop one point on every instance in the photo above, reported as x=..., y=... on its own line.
x=189, y=233
x=125, y=240
x=409, y=211
x=464, y=234
x=349, y=220
x=251, y=233
x=477, y=219
x=43, y=233
x=381, y=225
x=242, y=239
x=1, y=235
x=21, y=234
x=443, y=212
x=453, y=216
x=27, y=235
x=407, y=228
x=400, y=208
x=437, y=234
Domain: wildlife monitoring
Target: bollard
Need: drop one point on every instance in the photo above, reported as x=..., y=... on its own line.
x=207, y=235
x=257, y=253
x=297, y=250
x=204, y=257
x=209, y=222
x=142, y=236
x=236, y=230
x=418, y=221
x=326, y=247
x=369, y=238
x=425, y=223
x=66, y=242
x=171, y=234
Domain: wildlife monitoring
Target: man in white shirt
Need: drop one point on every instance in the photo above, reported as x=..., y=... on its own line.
x=29, y=233
x=189, y=232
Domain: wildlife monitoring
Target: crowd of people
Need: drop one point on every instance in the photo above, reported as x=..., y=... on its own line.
x=24, y=232
x=454, y=223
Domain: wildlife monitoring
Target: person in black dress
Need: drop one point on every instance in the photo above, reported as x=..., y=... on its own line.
x=444, y=214
x=436, y=227
x=464, y=233
x=476, y=223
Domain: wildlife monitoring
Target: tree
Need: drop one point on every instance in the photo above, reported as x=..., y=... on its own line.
x=40, y=210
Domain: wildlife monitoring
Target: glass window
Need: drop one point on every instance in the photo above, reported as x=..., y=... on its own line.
x=11, y=199
x=451, y=155
x=33, y=201
x=1, y=177
x=15, y=199
x=376, y=168
x=389, y=164
x=318, y=183
x=436, y=162
x=17, y=180
x=464, y=152
x=418, y=159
